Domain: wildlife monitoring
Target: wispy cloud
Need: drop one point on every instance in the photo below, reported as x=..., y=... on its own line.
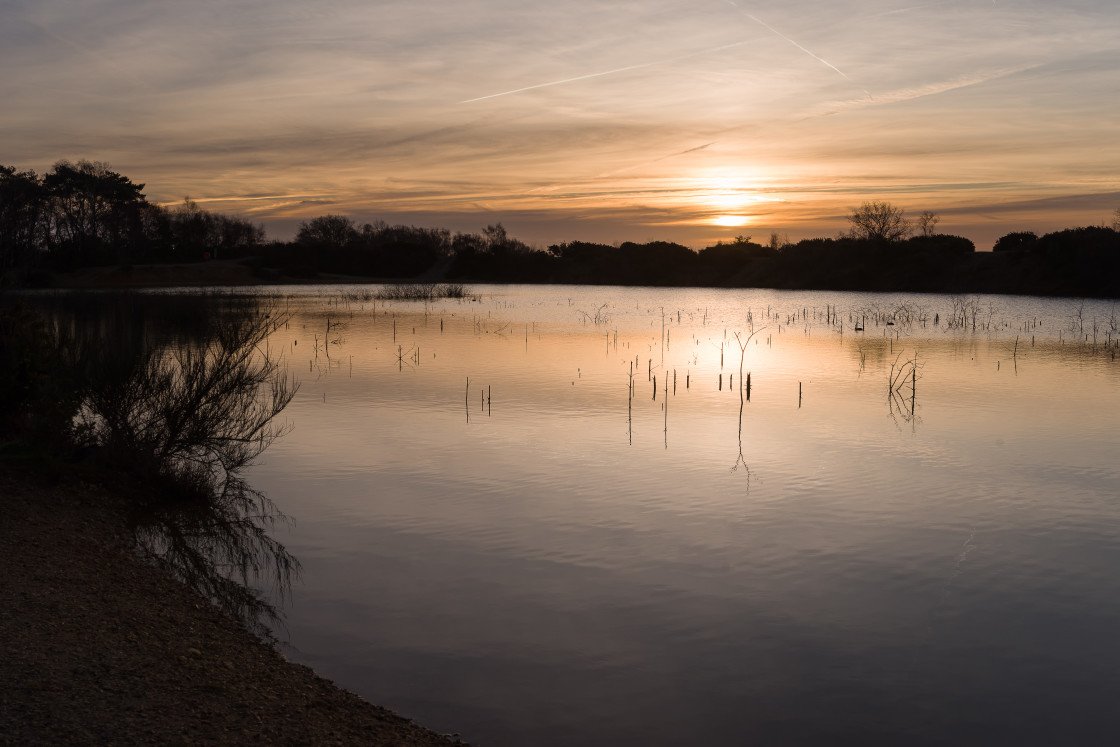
x=931, y=88
x=604, y=112
x=616, y=71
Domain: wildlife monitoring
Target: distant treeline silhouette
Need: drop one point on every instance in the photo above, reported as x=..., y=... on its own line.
x=84, y=214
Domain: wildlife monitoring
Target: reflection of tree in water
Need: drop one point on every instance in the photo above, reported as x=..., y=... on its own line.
x=744, y=393
x=180, y=394
x=742, y=461
x=902, y=394
x=222, y=548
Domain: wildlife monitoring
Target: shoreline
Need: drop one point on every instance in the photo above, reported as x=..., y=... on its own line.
x=97, y=646
x=245, y=272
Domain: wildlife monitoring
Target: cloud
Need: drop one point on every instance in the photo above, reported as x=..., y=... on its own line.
x=579, y=109
x=932, y=88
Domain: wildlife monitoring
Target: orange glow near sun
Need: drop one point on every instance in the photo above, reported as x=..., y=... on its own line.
x=725, y=197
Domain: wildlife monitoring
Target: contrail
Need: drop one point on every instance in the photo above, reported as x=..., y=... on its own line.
x=912, y=8
x=917, y=92
x=624, y=169
x=780, y=35
x=612, y=72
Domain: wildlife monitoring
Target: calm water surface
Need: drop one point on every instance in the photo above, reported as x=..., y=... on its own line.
x=507, y=530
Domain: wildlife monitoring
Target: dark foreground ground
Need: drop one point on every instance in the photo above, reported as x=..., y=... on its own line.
x=99, y=648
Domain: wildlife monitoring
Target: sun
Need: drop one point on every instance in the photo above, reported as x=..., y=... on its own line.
x=728, y=193
x=725, y=197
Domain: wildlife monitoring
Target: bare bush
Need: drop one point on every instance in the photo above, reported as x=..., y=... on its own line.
x=879, y=220
x=185, y=412
x=178, y=394
x=964, y=313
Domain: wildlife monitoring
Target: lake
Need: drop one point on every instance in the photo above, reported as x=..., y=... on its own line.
x=908, y=533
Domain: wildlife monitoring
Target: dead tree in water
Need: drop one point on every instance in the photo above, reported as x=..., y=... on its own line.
x=903, y=373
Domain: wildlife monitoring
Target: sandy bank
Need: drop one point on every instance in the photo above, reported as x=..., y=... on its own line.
x=99, y=648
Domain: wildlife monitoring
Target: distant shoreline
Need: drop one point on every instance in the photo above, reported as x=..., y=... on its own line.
x=230, y=272
x=246, y=272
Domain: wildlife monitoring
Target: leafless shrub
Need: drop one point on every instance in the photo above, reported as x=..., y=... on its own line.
x=188, y=414
x=601, y=316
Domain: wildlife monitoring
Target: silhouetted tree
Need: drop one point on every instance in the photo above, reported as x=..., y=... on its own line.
x=941, y=243
x=1016, y=241
x=327, y=230
x=878, y=221
x=495, y=235
x=93, y=209
x=23, y=214
x=778, y=241
x=500, y=244
x=197, y=232
x=927, y=221
x=191, y=228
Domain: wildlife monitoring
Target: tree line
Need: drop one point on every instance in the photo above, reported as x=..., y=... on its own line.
x=883, y=250
x=85, y=214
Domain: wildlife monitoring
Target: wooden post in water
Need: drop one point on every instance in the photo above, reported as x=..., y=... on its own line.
x=913, y=384
x=748, y=386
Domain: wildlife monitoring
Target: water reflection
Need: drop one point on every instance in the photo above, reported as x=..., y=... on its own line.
x=741, y=461
x=902, y=396
x=176, y=396
x=585, y=559
x=223, y=549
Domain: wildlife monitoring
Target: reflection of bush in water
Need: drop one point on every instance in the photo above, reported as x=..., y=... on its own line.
x=223, y=550
x=187, y=411
x=182, y=393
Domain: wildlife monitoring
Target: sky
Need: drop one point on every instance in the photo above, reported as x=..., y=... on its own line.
x=586, y=120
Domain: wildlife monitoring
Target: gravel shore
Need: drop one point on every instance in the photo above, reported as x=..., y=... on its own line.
x=97, y=647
